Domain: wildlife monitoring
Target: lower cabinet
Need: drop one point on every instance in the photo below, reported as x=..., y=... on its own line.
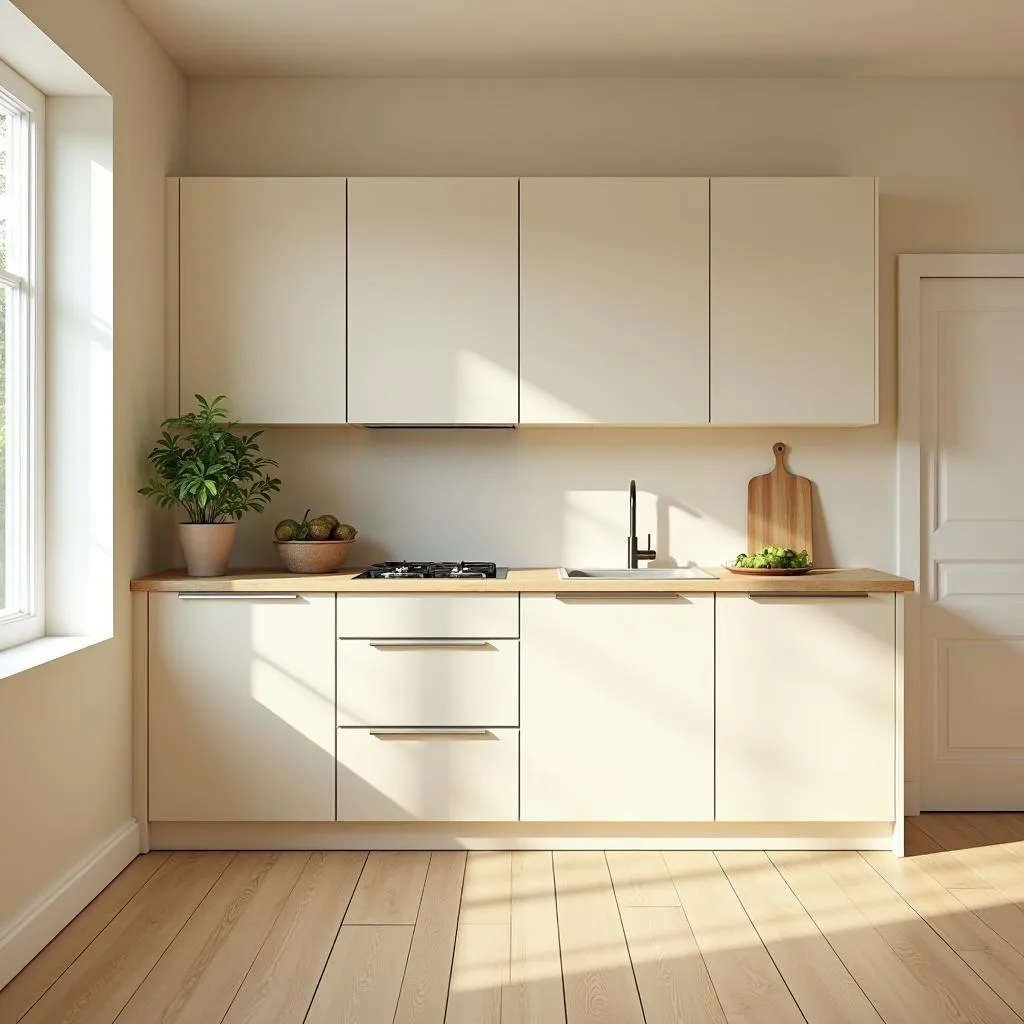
x=241, y=707
x=618, y=707
x=805, y=719
x=428, y=774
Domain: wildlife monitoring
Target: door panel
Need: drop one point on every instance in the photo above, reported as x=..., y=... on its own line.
x=972, y=509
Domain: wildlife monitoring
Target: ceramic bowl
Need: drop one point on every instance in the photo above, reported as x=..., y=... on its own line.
x=313, y=555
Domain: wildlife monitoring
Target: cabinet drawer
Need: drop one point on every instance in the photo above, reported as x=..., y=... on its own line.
x=458, y=616
x=428, y=682
x=442, y=775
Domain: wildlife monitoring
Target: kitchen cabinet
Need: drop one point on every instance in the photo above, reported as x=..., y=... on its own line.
x=241, y=707
x=805, y=707
x=441, y=774
x=614, y=300
x=617, y=707
x=793, y=301
x=433, y=324
x=261, y=313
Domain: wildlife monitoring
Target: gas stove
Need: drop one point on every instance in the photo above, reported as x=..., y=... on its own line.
x=434, y=571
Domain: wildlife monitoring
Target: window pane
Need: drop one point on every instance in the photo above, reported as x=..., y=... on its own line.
x=6, y=331
x=5, y=164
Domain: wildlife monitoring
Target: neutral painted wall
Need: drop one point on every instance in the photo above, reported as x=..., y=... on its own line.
x=65, y=728
x=949, y=156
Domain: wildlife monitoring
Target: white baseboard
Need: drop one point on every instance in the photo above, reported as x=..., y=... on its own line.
x=28, y=934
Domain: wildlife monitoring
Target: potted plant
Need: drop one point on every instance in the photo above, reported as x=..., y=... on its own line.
x=215, y=476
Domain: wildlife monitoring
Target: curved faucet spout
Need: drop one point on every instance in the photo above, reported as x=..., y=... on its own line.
x=633, y=550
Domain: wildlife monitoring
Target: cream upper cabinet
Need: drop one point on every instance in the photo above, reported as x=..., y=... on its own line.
x=614, y=300
x=793, y=301
x=262, y=296
x=805, y=708
x=433, y=322
x=241, y=707
x=617, y=708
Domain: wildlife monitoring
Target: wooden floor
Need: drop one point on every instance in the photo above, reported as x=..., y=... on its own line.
x=623, y=938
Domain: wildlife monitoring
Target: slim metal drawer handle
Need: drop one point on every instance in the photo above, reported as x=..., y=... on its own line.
x=411, y=645
x=804, y=596
x=229, y=596
x=432, y=734
x=620, y=595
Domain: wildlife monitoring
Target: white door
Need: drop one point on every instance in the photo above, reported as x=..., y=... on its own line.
x=433, y=315
x=614, y=300
x=262, y=297
x=793, y=301
x=972, y=529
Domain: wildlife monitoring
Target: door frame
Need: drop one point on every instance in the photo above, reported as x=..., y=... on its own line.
x=912, y=269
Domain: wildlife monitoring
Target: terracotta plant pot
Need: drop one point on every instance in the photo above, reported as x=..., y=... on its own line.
x=207, y=547
x=313, y=555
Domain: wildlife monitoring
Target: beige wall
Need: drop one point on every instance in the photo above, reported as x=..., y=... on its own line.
x=65, y=728
x=950, y=156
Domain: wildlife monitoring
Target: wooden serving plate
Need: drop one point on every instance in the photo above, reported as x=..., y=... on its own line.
x=769, y=572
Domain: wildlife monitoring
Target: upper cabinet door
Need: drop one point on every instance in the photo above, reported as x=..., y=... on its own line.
x=262, y=294
x=433, y=302
x=614, y=276
x=793, y=301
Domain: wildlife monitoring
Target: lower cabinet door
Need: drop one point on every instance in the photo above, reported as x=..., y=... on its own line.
x=617, y=707
x=419, y=774
x=241, y=707
x=805, y=708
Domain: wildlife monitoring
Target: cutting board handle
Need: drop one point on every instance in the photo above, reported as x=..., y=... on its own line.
x=780, y=455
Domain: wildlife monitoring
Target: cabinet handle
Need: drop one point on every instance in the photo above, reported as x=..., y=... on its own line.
x=432, y=734
x=620, y=595
x=804, y=596
x=409, y=645
x=229, y=596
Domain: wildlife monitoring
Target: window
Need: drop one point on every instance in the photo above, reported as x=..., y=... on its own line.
x=21, y=540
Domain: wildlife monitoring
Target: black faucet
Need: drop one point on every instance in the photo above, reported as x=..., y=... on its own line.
x=633, y=552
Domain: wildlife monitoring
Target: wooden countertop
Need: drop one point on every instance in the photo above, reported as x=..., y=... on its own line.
x=525, y=581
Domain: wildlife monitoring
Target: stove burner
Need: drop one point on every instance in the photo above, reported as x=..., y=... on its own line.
x=432, y=571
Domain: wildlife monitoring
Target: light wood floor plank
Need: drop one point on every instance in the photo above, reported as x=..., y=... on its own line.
x=1004, y=917
x=389, y=889
x=487, y=891
x=23, y=990
x=480, y=970
x=822, y=986
x=917, y=841
x=641, y=879
x=890, y=985
x=283, y=978
x=424, y=992
x=479, y=974
x=748, y=984
x=534, y=994
x=992, y=958
x=200, y=974
x=363, y=976
x=96, y=987
x=674, y=984
x=1003, y=828
x=956, y=992
x=598, y=974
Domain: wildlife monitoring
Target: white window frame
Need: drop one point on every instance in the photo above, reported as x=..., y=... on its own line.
x=23, y=619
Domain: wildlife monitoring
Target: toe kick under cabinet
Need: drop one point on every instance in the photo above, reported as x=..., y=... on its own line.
x=428, y=708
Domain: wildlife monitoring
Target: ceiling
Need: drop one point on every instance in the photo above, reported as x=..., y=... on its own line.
x=839, y=38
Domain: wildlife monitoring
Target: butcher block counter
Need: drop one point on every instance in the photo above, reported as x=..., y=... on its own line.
x=527, y=581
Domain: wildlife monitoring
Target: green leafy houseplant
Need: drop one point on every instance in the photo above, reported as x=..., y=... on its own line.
x=213, y=474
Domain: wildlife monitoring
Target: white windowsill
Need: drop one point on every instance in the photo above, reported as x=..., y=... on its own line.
x=38, y=652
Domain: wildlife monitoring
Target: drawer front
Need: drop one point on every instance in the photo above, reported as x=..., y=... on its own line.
x=391, y=775
x=432, y=616
x=428, y=683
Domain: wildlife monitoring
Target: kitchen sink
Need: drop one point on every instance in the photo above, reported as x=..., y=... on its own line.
x=676, y=573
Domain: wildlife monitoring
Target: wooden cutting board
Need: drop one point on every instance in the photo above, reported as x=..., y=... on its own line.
x=779, y=509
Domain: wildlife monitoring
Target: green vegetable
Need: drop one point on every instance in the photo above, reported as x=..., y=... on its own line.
x=774, y=558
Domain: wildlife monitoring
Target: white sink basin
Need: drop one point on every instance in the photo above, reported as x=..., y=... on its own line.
x=677, y=573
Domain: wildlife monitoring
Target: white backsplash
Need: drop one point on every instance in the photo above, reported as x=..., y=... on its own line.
x=557, y=496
